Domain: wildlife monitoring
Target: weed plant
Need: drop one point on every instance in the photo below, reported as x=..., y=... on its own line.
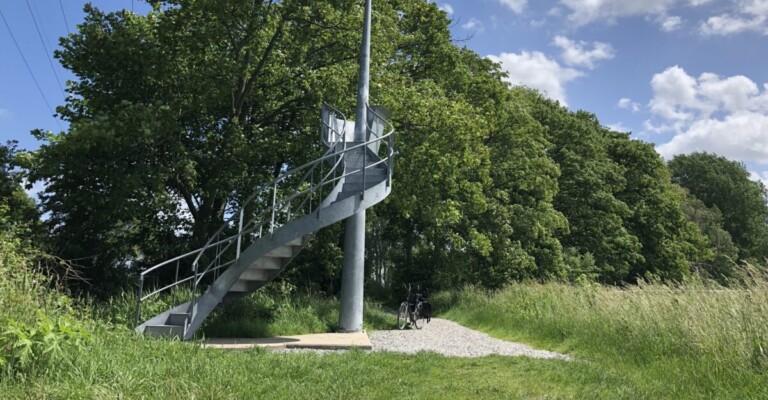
x=40, y=331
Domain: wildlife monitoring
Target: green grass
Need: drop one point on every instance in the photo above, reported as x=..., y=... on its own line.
x=647, y=342
x=120, y=365
x=667, y=342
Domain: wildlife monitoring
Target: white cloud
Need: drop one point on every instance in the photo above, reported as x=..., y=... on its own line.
x=628, y=104
x=583, y=12
x=724, y=115
x=759, y=177
x=447, y=8
x=732, y=94
x=727, y=24
x=536, y=70
x=670, y=23
x=755, y=7
x=474, y=24
x=742, y=136
x=618, y=127
x=517, y=6
x=748, y=16
x=578, y=53
x=674, y=91
x=679, y=96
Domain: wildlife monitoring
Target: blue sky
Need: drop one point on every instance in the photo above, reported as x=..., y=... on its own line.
x=687, y=75
x=22, y=107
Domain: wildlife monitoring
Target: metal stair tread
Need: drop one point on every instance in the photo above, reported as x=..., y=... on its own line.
x=269, y=254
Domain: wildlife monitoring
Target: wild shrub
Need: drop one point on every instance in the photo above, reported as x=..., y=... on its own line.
x=40, y=330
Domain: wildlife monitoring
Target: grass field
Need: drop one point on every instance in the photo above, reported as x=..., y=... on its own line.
x=692, y=341
x=647, y=342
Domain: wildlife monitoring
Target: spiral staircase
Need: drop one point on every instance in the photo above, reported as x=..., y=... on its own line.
x=259, y=240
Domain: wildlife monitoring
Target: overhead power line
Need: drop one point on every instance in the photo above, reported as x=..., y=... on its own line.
x=45, y=48
x=39, y=89
x=65, y=16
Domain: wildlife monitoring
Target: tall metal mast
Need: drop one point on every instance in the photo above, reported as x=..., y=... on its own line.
x=353, y=274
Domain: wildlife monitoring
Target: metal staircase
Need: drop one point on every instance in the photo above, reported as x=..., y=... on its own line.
x=272, y=226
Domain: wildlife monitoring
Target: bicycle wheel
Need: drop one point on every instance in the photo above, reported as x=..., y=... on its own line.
x=402, y=315
x=416, y=316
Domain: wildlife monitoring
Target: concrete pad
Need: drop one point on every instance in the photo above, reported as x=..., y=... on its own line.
x=321, y=341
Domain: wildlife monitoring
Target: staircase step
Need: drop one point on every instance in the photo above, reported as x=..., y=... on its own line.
x=371, y=175
x=284, y=251
x=246, y=286
x=269, y=263
x=343, y=195
x=257, y=266
x=164, y=330
x=358, y=187
x=177, y=319
x=256, y=274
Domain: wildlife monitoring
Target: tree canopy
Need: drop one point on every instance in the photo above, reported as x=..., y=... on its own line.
x=175, y=116
x=17, y=210
x=724, y=187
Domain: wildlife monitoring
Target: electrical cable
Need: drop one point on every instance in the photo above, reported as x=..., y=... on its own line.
x=39, y=89
x=65, y=16
x=45, y=48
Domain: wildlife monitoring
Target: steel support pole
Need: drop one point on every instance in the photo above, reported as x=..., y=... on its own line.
x=353, y=273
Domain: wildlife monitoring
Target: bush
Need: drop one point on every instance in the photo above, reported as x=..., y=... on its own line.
x=41, y=347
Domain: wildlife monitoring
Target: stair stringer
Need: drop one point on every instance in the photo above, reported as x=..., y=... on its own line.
x=334, y=212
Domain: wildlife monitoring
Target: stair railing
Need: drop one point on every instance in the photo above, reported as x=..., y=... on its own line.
x=308, y=193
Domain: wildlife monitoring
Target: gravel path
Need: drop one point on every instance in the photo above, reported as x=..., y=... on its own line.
x=451, y=339
x=447, y=338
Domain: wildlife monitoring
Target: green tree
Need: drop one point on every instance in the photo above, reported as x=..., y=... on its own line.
x=670, y=243
x=472, y=197
x=18, y=212
x=725, y=184
x=175, y=116
x=589, y=183
x=720, y=260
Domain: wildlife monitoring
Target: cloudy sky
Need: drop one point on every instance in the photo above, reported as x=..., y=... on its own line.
x=687, y=75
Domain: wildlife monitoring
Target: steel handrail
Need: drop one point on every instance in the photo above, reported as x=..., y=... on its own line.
x=277, y=206
x=275, y=181
x=200, y=251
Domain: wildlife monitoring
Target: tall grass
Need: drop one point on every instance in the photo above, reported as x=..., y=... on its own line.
x=699, y=338
x=280, y=310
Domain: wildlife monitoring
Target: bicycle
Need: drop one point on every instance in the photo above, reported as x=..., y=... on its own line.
x=411, y=310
